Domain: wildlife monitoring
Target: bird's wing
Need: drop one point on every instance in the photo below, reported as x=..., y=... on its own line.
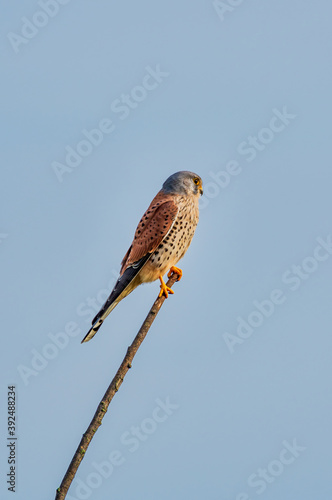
x=151, y=230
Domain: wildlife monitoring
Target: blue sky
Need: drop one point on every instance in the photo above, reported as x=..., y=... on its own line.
x=228, y=398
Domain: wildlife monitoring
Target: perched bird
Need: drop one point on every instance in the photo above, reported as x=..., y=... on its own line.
x=162, y=237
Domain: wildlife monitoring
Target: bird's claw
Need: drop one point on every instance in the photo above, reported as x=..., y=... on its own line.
x=164, y=289
x=175, y=270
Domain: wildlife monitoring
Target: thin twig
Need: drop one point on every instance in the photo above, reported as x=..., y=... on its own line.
x=113, y=388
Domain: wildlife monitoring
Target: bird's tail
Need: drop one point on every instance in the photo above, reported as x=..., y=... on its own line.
x=99, y=319
x=124, y=285
x=93, y=330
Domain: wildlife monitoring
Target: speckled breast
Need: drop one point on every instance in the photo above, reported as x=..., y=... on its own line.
x=177, y=241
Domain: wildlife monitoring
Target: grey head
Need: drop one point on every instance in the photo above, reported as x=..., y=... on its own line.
x=184, y=183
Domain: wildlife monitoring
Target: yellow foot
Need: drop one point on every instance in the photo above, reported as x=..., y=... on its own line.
x=175, y=270
x=164, y=289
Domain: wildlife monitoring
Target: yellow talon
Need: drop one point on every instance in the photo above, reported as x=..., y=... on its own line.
x=164, y=289
x=175, y=270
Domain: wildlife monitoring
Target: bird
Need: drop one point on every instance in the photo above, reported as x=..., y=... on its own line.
x=161, y=239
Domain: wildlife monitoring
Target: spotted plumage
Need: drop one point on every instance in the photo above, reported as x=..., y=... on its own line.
x=178, y=239
x=161, y=239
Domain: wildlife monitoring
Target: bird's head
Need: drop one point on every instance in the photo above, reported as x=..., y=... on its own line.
x=184, y=183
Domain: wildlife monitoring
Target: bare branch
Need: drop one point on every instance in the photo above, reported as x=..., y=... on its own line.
x=109, y=394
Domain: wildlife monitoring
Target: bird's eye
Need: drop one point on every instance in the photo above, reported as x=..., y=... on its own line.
x=196, y=181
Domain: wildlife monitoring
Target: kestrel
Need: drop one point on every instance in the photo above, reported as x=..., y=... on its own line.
x=162, y=237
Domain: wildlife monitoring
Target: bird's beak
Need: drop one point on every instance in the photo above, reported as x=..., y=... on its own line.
x=201, y=191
